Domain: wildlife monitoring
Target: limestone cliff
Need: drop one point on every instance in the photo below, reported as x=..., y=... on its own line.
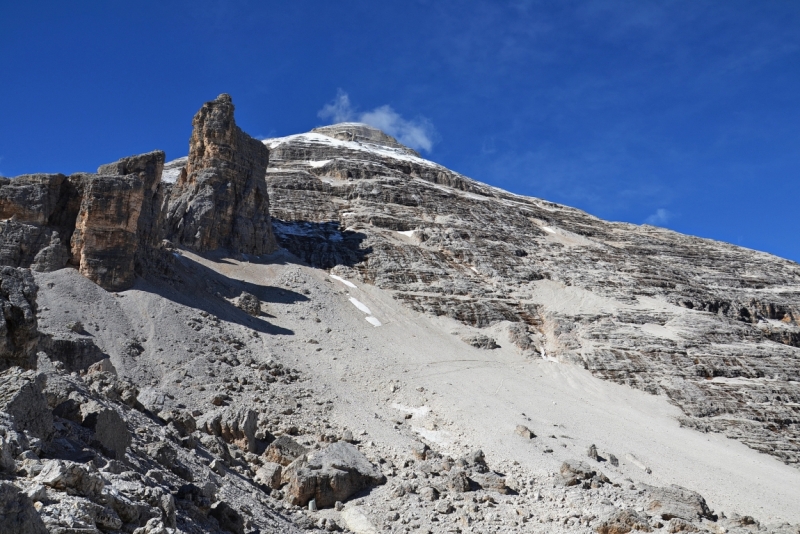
x=714, y=327
x=110, y=224
x=105, y=238
x=220, y=199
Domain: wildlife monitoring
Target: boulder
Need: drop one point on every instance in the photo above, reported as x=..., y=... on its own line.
x=284, y=451
x=524, y=431
x=678, y=502
x=228, y=518
x=22, y=398
x=269, y=475
x=332, y=474
x=18, y=332
x=457, y=481
x=574, y=472
x=234, y=425
x=480, y=341
x=624, y=521
x=110, y=429
x=64, y=475
x=17, y=513
x=220, y=200
x=249, y=304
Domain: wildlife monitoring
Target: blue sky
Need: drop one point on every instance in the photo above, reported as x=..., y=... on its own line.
x=685, y=114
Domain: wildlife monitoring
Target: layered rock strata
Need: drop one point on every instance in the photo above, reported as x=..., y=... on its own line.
x=714, y=327
x=110, y=225
x=220, y=199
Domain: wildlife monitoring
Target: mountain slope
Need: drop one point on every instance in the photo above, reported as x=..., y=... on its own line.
x=714, y=327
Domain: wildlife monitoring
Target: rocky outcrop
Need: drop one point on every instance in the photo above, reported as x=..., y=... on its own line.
x=105, y=239
x=148, y=168
x=18, y=331
x=22, y=398
x=332, y=474
x=109, y=219
x=52, y=257
x=31, y=198
x=220, y=199
x=114, y=221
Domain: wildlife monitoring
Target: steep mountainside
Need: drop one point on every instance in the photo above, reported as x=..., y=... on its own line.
x=326, y=332
x=714, y=327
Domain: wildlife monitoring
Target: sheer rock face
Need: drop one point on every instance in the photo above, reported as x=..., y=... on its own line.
x=19, y=335
x=148, y=168
x=220, y=199
x=105, y=238
x=714, y=327
x=30, y=198
x=109, y=219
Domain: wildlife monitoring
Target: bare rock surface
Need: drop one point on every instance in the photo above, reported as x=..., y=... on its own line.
x=332, y=474
x=220, y=199
x=351, y=401
x=19, y=336
x=713, y=327
x=105, y=238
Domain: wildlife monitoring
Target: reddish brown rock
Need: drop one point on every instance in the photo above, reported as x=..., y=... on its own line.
x=220, y=199
x=105, y=238
x=147, y=167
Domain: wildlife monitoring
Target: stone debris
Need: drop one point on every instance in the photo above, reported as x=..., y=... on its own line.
x=249, y=304
x=481, y=342
x=332, y=474
x=157, y=410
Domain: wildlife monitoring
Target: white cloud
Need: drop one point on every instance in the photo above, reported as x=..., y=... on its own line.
x=659, y=218
x=416, y=133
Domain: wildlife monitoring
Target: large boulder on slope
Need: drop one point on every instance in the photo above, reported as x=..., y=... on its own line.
x=332, y=474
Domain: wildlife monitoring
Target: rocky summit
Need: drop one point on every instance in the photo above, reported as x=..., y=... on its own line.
x=327, y=332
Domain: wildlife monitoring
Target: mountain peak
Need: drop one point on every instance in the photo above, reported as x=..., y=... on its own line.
x=362, y=133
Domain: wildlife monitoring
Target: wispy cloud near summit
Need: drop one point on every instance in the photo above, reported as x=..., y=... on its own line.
x=416, y=133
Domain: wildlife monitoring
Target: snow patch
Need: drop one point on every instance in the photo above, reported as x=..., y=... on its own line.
x=420, y=412
x=360, y=305
x=345, y=282
x=320, y=163
x=360, y=146
x=548, y=229
x=373, y=321
x=407, y=233
x=439, y=437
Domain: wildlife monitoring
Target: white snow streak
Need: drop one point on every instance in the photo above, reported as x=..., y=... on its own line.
x=360, y=305
x=342, y=280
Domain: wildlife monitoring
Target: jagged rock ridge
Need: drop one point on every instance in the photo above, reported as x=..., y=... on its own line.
x=114, y=221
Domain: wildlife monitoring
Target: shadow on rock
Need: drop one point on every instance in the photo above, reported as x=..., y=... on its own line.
x=321, y=244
